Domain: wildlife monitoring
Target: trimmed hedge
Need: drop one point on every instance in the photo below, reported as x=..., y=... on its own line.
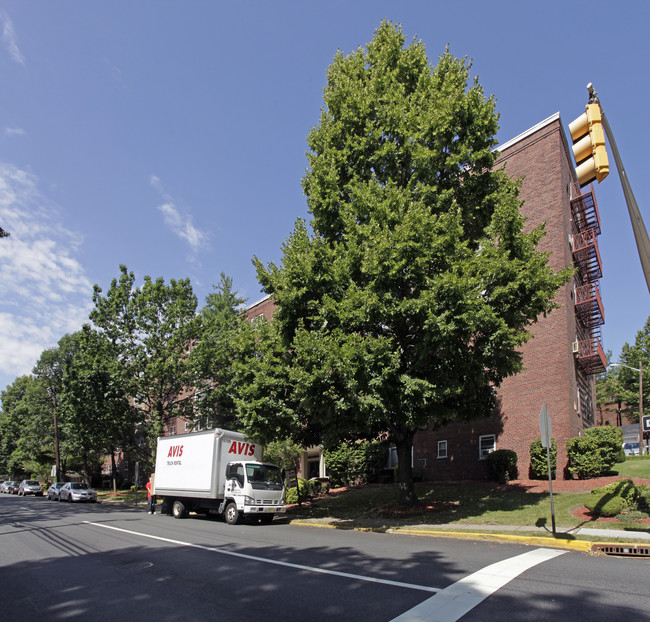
x=614, y=498
x=594, y=453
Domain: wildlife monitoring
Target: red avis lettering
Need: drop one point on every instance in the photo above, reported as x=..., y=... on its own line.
x=245, y=449
x=175, y=451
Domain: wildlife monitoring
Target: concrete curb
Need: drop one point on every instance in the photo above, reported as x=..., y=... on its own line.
x=584, y=546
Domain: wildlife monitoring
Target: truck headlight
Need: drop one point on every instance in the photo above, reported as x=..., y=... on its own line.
x=249, y=501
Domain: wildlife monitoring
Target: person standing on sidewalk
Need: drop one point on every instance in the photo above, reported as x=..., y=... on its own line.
x=151, y=498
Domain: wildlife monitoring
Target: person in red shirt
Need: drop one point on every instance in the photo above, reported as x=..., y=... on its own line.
x=151, y=498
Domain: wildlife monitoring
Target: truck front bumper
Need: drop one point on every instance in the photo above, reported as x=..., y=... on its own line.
x=264, y=509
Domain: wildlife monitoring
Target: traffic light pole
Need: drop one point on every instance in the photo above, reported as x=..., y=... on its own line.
x=640, y=233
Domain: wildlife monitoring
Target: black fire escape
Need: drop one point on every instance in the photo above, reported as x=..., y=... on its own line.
x=588, y=347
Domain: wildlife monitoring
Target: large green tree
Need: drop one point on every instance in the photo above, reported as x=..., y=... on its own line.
x=50, y=369
x=151, y=328
x=214, y=356
x=95, y=408
x=406, y=302
x=635, y=355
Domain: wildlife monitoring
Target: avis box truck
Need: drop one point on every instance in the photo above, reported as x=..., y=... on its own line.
x=217, y=471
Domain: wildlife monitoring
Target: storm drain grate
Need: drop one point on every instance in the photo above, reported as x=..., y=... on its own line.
x=622, y=550
x=134, y=565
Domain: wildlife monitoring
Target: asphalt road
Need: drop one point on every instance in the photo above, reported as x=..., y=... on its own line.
x=62, y=561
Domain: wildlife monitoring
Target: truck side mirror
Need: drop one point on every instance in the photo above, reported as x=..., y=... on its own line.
x=227, y=471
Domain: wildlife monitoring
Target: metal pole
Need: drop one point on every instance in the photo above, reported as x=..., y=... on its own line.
x=641, y=444
x=638, y=227
x=550, y=485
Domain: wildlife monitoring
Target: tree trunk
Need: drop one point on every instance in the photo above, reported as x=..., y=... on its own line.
x=113, y=471
x=404, y=444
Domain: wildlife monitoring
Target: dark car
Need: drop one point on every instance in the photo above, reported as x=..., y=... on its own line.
x=77, y=491
x=30, y=487
x=54, y=490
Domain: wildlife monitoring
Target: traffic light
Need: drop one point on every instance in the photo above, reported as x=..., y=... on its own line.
x=589, y=146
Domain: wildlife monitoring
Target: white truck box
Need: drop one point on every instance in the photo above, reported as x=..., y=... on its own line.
x=218, y=471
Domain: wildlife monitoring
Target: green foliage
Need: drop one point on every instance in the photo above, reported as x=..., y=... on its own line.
x=214, y=356
x=355, y=463
x=636, y=356
x=502, y=465
x=606, y=505
x=539, y=459
x=283, y=454
x=594, y=453
x=624, y=488
x=151, y=329
x=613, y=498
x=407, y=301
x=291, y=494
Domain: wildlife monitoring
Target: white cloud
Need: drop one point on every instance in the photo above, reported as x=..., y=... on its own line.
x=179, y=223
x=9, y=38
x=14, y=131
x=44, y=291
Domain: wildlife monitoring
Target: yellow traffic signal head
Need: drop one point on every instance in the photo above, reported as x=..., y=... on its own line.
x=589, y=149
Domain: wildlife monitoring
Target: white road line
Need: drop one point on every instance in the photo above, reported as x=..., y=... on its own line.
x=456, y=600
x=264, y=560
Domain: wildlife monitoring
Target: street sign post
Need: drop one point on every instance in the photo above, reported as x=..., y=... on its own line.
x=547, y=434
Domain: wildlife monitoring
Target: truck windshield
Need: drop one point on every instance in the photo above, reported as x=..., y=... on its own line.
x=264, y=476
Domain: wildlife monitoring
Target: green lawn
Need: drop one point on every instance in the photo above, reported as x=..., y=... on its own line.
x=484, y=505
x=634, y=466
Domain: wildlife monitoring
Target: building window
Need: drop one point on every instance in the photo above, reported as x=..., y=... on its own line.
x=486, y=445
x=442, y=449
x=187, y=426
x=172, y=430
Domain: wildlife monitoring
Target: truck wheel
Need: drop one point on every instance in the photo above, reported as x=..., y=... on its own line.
x=231, y=514
x=178, y=509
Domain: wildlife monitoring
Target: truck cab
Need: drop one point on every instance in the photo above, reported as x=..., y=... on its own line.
x=253, y=490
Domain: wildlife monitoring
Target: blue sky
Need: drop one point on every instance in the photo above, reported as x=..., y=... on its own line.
x=169, y=135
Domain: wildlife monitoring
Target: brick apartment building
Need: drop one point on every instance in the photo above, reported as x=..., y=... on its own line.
x=565, y=353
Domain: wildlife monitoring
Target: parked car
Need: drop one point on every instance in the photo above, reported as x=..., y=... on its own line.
x=30, y=487
x=77, y=491
x=631, y=449
x=7, y=486
x=12, y=488
x=54, y=490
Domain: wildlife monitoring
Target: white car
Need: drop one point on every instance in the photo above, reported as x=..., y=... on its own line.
x=30, y=487
x=631, y=449
x=77, y=491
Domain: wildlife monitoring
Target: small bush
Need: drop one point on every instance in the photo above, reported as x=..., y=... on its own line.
x=594, y=453
x=502, y=465
x=539, y=460
x=624, y=488
x=606, y=505
x=291, y=494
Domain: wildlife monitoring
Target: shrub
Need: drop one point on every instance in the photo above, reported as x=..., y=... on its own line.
x=355, y=463
x=502, y=465
x=539, y=461
x=595, y=452
x=291, y=494
x=606, y=505
x=624, y=488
